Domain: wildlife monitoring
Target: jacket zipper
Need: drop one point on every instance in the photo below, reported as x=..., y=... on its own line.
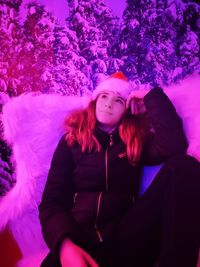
x=106, y=159
x=106, y=166
x=100, y=194
x=74, y=197
x=98, y=209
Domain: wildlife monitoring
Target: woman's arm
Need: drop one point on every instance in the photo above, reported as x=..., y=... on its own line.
x=56, y=220
x=167, y=137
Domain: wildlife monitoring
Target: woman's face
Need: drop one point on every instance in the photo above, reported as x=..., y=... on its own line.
x=110, y=108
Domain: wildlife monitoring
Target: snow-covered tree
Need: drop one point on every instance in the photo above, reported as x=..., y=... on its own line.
x=10, y=34
x=38, y=58
x=95, y=27
x=158, y=59
x=188, y=39
x=68, y=64
x=147, y=41
x=160, y=40
x=129, y=43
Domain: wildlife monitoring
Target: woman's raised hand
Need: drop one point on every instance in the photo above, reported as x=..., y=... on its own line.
x=72, y=255
x=135, y=101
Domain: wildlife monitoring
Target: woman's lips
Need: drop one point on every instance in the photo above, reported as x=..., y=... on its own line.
x=106, y=112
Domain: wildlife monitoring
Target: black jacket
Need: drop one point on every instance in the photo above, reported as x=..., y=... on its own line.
x=86, y=194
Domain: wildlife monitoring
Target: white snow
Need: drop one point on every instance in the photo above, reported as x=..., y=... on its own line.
x=32, y=10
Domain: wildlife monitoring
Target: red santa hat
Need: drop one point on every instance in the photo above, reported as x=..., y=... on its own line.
x=117, y=83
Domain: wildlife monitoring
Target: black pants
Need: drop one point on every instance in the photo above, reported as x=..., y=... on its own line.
x=163, y=226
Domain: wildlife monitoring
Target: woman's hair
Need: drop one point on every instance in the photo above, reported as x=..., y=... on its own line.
x=81, y=124
x=132, y=131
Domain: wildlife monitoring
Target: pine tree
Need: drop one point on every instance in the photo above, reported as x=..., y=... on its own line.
x=69, y=78
x=159, y=60
x=130, y=39
x=188, y=41
x=10, y=34
x=147, y=42
x=95, y=27
x=38, y=57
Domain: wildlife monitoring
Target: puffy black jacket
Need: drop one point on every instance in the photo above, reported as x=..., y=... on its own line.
x=86, y=194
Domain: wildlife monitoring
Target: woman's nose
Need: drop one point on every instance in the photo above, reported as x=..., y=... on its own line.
x=108, y=104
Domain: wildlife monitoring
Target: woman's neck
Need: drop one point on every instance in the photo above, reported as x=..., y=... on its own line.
x=106, y=128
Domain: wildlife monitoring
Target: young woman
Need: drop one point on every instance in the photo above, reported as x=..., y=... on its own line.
x=91, y=214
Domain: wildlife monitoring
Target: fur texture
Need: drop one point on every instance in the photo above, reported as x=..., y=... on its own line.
x=115, y=85
x=185, y=96
x=33, y=125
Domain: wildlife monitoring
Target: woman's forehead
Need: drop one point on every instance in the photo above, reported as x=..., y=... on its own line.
x=112, y=93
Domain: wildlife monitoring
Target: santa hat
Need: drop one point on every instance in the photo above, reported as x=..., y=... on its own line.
x=117, y=83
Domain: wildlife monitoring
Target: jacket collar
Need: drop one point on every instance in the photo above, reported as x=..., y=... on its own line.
x=107, y=139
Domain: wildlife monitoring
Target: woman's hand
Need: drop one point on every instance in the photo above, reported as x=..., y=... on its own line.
x=135, y=101
x=72, y=255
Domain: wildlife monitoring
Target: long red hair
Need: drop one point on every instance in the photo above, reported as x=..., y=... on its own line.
x=81, y=124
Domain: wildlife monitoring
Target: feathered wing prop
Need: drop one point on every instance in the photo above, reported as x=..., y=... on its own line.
x=185, y=96
x=33, y=125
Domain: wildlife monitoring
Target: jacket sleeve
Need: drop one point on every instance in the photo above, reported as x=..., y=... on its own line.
x=55, y=218
x=167, y=137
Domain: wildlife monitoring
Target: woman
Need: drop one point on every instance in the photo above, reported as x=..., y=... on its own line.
x=90, y=212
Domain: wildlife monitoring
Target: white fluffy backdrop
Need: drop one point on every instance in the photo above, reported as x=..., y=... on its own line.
x=33, y=126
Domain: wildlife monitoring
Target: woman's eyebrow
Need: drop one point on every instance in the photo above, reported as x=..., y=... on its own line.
x=104, y=93
x=119, y=97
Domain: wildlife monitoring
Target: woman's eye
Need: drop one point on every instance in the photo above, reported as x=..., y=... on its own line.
x=103, y=96
x=120, y=101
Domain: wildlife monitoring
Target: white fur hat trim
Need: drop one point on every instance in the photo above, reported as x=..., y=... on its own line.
x=113, y=85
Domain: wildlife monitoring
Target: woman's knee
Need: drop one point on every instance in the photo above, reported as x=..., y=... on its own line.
x=183, y=161
x=184, y=169
x=180, y=170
